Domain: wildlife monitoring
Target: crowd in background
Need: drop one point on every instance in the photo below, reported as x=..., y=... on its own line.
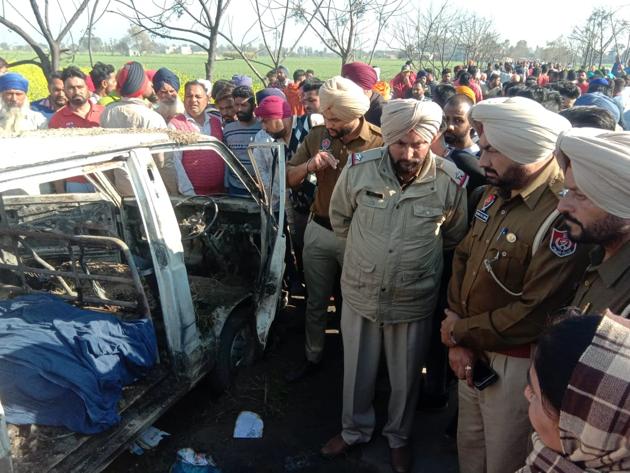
x=515, y=173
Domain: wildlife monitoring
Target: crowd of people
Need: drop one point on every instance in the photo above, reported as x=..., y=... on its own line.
x=458, y=216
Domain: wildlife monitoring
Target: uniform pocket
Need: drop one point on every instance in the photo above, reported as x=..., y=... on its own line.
x=358, y=274
x=372, y=211
x=414, y=286
x=509, y=262
x=426, y=220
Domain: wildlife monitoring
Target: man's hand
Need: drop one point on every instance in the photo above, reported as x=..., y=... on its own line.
x=447, y=327
x=462, y=361
x=322, y=160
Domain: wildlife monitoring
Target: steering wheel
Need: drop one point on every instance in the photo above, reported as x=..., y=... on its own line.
x=198, y=224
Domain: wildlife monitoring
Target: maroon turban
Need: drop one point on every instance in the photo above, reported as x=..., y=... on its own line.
x=273, y=107
x=360, y=73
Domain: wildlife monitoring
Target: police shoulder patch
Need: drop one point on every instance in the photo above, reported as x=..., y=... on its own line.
x=457, y=175
x=364, y=156
x=560, y=244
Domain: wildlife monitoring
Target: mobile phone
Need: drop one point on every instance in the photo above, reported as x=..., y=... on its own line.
x=483, y=375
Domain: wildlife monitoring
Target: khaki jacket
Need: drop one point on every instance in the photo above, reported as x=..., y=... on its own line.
x=395, y=237
x=501, y=239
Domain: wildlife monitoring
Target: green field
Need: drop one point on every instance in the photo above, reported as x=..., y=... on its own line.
x=192, y=66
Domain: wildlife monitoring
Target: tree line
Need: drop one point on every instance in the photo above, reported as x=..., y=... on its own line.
x=429, y=35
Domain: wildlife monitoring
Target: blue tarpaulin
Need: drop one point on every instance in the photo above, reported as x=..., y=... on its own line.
x=65, y=366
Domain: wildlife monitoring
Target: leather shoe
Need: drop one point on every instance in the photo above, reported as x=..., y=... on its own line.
x=401, y=459
x=334, y=447
x=304, y=370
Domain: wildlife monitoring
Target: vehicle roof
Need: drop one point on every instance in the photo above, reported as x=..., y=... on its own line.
x=47, y=146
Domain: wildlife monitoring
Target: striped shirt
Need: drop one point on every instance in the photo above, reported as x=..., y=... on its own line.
x=238, y=136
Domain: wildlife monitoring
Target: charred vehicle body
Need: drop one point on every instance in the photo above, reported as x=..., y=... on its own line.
x=199, y=276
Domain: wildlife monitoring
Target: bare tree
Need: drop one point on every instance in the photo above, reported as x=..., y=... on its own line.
x=37, y=22
x=598, y=34
x=94, y=16
x=478, y=38
x=272, y=19
x=86, y=41
x=558, y=51
x=195, y=22
x=439, y=34
x=430, y=38
x=269, y=27
x=344, y=25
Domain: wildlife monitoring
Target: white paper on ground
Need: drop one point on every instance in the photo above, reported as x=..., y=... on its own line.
x=248, y=425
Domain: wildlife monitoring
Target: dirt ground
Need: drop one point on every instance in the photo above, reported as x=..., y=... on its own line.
x=299, y=418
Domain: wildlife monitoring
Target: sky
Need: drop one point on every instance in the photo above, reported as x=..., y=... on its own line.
x=535, y=21
x=539, y=21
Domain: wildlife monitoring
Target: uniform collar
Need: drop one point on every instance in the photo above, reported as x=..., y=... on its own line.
x=549, y=177
x=365, y=133
x=427, y=171
x=613, y=268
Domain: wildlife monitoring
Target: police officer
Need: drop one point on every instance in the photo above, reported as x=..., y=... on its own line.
x=596, y=206
x=513, y=269
x=398, y=207
x=324, y=152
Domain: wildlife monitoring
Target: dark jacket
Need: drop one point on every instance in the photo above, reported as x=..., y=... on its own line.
x=373, y=115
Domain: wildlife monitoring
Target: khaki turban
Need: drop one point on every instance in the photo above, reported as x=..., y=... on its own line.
x=600, y=161
x=403, y=115
x=343, y=98
x=519, y=128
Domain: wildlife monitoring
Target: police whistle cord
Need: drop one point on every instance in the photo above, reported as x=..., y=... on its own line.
x=488, y=265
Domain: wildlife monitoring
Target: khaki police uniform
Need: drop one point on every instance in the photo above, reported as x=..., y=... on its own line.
x=606, y=284
x=323, y=251
x=509, y=276
x=395, y=239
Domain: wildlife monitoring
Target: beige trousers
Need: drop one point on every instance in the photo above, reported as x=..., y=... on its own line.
x=493, y=429
x=404, y=345
x=323, y=257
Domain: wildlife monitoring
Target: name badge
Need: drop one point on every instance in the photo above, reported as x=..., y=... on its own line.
x=482, y=213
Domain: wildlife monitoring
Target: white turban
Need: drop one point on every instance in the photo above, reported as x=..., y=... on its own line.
x=600, y=161
x=519, y=128
x=403, y=115
x=345, y=99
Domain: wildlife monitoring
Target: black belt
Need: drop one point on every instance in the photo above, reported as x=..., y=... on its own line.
x=323, y=221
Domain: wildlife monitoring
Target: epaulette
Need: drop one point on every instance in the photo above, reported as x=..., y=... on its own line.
x=457, y=175
x=365, y=156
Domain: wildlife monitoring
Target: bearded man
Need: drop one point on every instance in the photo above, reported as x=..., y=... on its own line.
x=515, y=267
x=596, y=206
x=324, y=152
x=166, y=87
x=398, y=207
x=15, y=113
x=80, y=112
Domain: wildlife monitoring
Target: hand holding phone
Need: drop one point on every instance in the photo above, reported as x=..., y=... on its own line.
x=483, y=375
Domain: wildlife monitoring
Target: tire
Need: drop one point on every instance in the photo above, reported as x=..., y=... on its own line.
x=238, y=346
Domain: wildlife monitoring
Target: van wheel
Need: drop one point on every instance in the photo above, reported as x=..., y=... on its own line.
x=238, y=346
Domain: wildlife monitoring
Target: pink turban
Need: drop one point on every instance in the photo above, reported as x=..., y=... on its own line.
x=360, y=73
x=273, y=107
